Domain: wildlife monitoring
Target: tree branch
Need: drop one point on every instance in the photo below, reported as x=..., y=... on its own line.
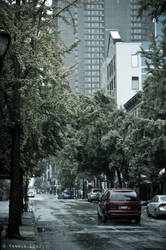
x=66, y=7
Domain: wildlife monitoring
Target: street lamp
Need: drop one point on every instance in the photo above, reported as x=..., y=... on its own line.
x=4, y=44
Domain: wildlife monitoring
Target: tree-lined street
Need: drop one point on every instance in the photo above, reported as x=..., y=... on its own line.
x=89, y=140
x=72, y=224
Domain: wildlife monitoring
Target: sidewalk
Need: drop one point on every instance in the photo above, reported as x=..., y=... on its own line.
x=27, y=231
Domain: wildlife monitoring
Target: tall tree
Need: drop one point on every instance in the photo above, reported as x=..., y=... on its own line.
x=83, y=144
x=154, y=100
x=114, y=146
x=33, y=75
x=154, y=91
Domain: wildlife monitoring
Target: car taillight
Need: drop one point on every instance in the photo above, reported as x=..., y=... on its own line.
x=162, y=205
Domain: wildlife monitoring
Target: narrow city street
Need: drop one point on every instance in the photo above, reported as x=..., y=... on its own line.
x=72, y=225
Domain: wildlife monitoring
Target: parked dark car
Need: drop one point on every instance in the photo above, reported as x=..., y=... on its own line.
x=119, y=204
x=157, y=206
x=65, y=195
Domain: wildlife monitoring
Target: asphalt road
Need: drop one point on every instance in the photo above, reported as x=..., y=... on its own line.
x=72, y=225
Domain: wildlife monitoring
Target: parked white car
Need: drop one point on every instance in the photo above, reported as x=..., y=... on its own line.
x=31, y=193
x=94, y=194
x=157, y=206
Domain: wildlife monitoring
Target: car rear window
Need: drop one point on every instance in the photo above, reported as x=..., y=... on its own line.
x=96, y=190
x=123, y=196
x=163, y=198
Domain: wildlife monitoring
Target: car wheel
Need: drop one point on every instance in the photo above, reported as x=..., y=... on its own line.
x=104, y=219
x=99, y=219
x=148, y=212
x=155, y=214
x=138, y=219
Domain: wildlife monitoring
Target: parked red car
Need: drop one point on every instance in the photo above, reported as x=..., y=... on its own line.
x=119, y=204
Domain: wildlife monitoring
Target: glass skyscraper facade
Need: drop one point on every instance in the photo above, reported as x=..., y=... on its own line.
x=93, y=44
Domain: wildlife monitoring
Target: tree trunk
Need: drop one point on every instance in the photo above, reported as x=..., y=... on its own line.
x=151, y=190
x=21, y=194
x=15, y=188
x=25, y=189
x=119, y=178
x=110, y=173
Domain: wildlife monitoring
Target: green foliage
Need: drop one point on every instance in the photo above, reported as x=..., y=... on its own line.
x=35, y=64
x=145, y=149
x=152, y=137
x=155, y=8
x=154, y=91
x=83, y=146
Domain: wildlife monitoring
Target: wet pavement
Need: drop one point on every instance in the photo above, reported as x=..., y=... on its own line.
x=72, y=225
x=28, y=240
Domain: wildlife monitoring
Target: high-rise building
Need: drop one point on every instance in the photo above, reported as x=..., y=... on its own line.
x=122, y=15
x=94, y=19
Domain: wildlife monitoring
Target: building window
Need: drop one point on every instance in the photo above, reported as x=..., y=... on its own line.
x=76, y=89
x=135, y=83
x=88, y=92
x=87, y=73
x=95, y=73
x=134, y=60
x=87, y=79
x=114, y=82
x=87, y=85
x=87, y=61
